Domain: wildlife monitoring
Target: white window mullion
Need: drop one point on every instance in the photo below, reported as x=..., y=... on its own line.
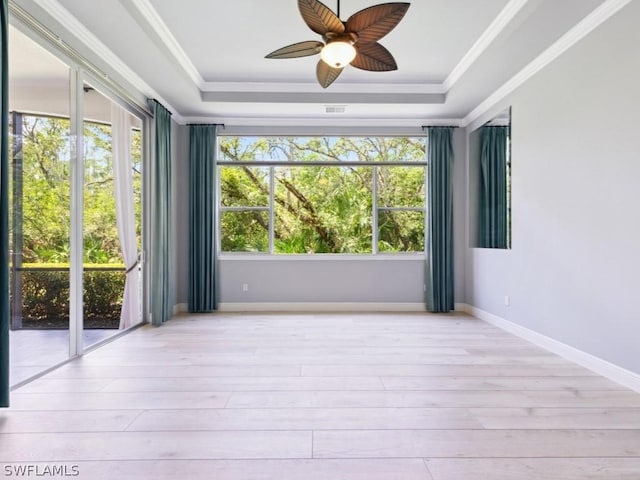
x=218, y=187
x=426, y=207
x=244, y=209
x=374, y=192
x=272, y=216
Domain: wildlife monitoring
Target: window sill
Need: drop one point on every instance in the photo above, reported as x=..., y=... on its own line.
x=323, y=257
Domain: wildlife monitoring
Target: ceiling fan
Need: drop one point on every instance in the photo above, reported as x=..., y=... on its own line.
x=352, y=42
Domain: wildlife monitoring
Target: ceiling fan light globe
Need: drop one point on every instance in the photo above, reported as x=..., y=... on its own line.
x=338, y=54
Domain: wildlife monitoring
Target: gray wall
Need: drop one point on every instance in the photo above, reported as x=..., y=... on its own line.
x=572, y=273
x=474, y=179
x=181, y=210
x=320, y=279
x=459, y=212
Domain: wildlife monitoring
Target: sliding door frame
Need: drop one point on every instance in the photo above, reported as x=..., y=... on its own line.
x=81, y=72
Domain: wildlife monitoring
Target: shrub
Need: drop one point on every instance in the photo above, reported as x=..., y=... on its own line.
x=45, y=296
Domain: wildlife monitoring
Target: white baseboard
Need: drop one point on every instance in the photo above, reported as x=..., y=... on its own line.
x=602, y=367
x=180, y=308
x=460, y=307
x=320, y=307
x=317, y=307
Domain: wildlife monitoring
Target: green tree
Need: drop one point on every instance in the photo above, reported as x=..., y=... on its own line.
x=46, y=219
x=322, y=209
x=46, y=196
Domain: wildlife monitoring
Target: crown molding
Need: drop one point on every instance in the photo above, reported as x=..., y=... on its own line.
x=210, y=89
x=496, y=27
x=568, y=40
x=154, y=20
x=317, y=121
x=77, y=29
x=313, y=87
x=326, y=97
x=152, y=17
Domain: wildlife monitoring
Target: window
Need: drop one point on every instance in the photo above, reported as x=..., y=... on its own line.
x=297, y=195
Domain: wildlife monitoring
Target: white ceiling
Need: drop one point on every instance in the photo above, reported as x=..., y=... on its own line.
x=205, y=58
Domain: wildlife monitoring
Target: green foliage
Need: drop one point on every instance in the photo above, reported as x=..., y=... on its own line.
x=247, y=231
x=245, y=187
x=102, y=295
x=46, y=199
x=46, y=191
x=45, y=296
x=401, y=186
x=46, y=217
x=322, y=209
x=401, y=231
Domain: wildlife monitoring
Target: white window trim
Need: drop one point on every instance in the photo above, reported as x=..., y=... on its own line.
x=271, y=254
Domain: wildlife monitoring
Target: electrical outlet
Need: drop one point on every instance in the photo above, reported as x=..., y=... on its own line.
x=507, y=300
x=245, y=287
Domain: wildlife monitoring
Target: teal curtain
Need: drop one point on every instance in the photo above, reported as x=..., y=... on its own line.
x=202, y=218
x=4, y=211
x=161, y=274
x=439, y=263
x=493, y=187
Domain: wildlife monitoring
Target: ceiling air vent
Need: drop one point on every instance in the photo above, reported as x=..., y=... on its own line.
x=335, y=108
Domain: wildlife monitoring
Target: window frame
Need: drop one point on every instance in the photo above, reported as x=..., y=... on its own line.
x=273, y=164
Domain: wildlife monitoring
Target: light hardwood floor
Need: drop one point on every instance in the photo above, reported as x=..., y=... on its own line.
x=324, y=397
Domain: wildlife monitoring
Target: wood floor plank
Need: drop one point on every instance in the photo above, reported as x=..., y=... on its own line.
x=66, y=385
x=369, y=469
x=160, y=359
x=66, y=421
x=444, y=398
x=305, y=419
x=69, y=447
x=500, y=383
x=475, y=443
x=422, y=370
x=118, y=401
x=558, y=418
x=331, y=351
x=535, y=469
x=83, y=371
x=240, y=384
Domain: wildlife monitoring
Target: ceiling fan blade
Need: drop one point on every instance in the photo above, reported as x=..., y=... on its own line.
x=319, y=17
x=301, y=49
x=326, y=74
x=374, y=57
x=373, y=23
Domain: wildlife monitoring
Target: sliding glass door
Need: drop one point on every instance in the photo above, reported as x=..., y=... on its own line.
x=75, y=214
x=111, y=221
x=40, y=210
